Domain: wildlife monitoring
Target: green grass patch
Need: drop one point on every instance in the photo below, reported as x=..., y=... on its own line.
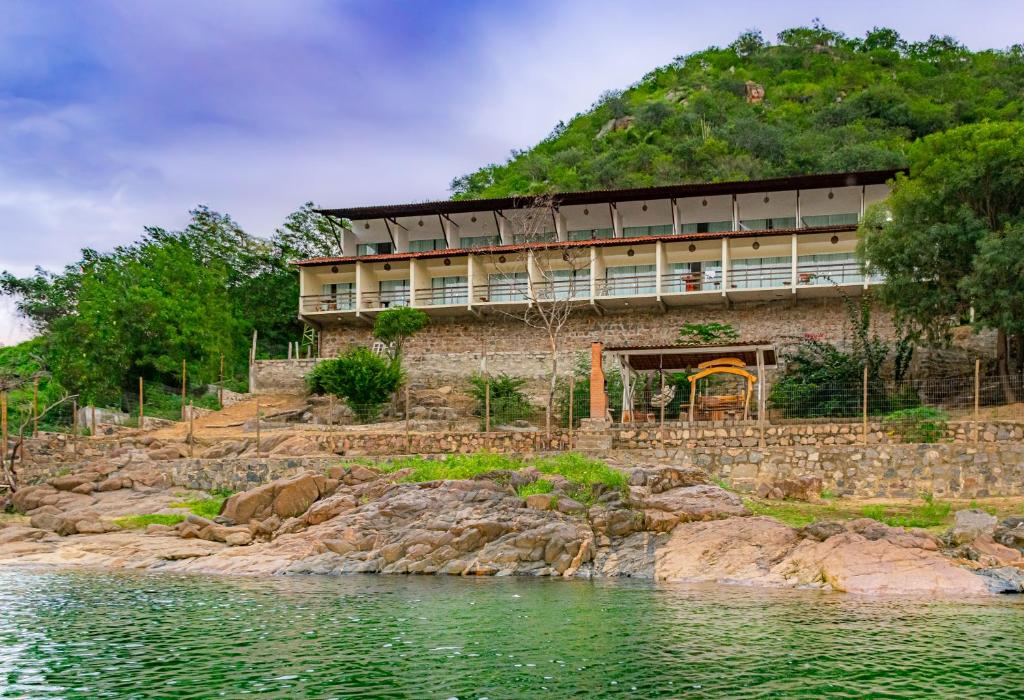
x=137, y=522
x=206, y=507
x=927, y=513
x=535, y=487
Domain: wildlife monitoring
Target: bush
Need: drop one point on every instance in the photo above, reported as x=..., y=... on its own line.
x=921, y=424
x=365, y=380
x=396, y=325
x=508, y=402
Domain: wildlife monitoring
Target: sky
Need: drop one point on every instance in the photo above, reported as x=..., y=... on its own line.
x=115, y=115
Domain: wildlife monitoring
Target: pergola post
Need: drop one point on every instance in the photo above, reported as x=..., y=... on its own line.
x=598, y=396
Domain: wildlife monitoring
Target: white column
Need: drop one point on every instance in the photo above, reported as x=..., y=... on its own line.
x=561, y=231
x=401, y=239
x=799, y=223
x=725, y=265
x=531, y=266
x=349, y=242
x=735, y=214
x=471, y=274
x=659, y=267
x=594, y=265
x=676, y=226
x=417, y=276
x=616, y=223
x=360, y=273
x=451, y=232
x=863, y=194
x=793, y=266
x=503, y=232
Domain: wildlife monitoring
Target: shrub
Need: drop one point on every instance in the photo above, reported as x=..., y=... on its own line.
x=697, y=333
x=363, y=379
x=397, y=325
x=922, y=424
x=535, y=487
x=508, y=401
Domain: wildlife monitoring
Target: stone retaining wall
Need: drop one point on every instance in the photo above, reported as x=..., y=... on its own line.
x=279, y=376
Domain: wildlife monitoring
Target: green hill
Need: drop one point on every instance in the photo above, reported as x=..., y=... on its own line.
x=830, y=103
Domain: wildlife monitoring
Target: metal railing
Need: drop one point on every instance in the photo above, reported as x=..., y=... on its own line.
x=827, y=273
x=385, y=299
x=339, y=301
x=631, y=285
x=562, y=289
x=439, y=296
x=496, y=292
x=681, y=283
x=759, y=277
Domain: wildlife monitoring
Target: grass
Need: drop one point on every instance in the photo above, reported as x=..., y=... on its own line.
x=137, y=522
x=206, y=507
x=581, y=472
x=535, y=487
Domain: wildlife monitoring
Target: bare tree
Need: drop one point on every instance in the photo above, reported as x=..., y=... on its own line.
x=548, y=280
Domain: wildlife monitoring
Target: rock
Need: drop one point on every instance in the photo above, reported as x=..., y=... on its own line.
x=158, y=529
x=1002, y=580
x=614, y=522
x=239, y=538
x=539, y=501
x=85, y=488
x=52, y=523
x=987, y=552
x=569, y=505
x=754, y=93
x=228, y=448
x=70, y=482
x=821, y=531
x=1010, y=537
x=285, y=498
x=803, y=488
x=20, y=533
x=175, y=451
x=659, y=521
x=294, y=496
x=689, y=503
x=113, y=483
x=31, y=497
x=87, y=526
x=969, y=525
x=658, y=478
x=619, y=124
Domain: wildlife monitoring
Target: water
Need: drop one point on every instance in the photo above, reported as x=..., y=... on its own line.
x=93, y=635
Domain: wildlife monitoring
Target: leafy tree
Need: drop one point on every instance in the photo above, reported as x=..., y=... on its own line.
x=508, y=401
x=362, y=378
x=949, y=238
x=398, y=324
x=714, y=332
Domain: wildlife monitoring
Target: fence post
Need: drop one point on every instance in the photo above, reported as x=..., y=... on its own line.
x=74, y=426
x=92, y=428
x=408, y=434
x=184, y=372
x=330, y=410
x=35, y=408
x=865, y=407
x=977, y=395
x=661, y=418
x=3, y=431
x=191, y=430
x=220, y=389
x=257, y=428
x=142, y=407
x=487, y=406
x=572, y=406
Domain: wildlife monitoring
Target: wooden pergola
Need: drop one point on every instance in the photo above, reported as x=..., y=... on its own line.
x=747, y=360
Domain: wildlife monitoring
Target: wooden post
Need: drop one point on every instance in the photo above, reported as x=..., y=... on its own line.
x=220, y=389
x=191, y=430
x=572, y=407
x=661, y=418
x=74, y=425
x=3, y=431
x=487, y=406
x=977, y=395
x=762, y=393
x=92, y=427
x=865, y=408
x=184, y=374
x=289, y=349
x=330, y=410
x=142, y=408
x=35, y=408
x=693, y=398
x=252, y=350
x=257, y=428
x=408, y=433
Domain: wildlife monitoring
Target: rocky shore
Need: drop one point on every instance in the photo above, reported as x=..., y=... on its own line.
x=669, y=525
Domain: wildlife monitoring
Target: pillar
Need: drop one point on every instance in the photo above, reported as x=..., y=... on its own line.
x=598, y=398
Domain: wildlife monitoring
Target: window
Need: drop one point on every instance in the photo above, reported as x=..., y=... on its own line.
x=589, y=234
x=708, y=227
x=339, y=296
x=449, y=290
x=826, y=268
x=394, y=293
x=659, y=230
x=768, y=224
x=479, y=241
x=693, y=277
x=629, y=280
x=541, y=237
x=752, y=273
x=429, y=244
x=829, y=220
x=570, y=284
x=374, y=248
x=507, y=287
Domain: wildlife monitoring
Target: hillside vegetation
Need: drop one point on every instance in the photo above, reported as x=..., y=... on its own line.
x=830, y=103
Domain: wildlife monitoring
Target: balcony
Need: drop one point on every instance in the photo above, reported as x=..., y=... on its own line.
x=692, y=282
x=385, y=299
x=500, y=292
x=628, y=286
x=442, y=296
x=562, y=290
x=839, y=272
x=321, y=303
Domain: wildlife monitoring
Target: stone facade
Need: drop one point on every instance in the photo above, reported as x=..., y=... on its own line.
x=279, y=376
x=451, y=349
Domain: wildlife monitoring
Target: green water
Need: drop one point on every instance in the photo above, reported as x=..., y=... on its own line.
x=94, y=635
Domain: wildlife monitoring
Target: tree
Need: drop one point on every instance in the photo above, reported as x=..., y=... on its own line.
x=549, y=277
x=396, y=325
x=362, y=378
x=948, y=239
x=696, y=333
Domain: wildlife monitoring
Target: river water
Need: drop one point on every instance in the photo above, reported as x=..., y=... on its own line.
x=81, y=634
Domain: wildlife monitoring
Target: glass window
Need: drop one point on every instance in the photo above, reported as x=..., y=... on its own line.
x=589, y=234
x=541, y=237
x=374, y=248
x=507, y=286
x=829, y=220
x=338, y=295
x=629, y=280
x=828, y=268
x=708, y=227
x=768, y=224
x=701, y=276
x=429, y=244
x=394, y=293
x=658, y=230
x=570, y=284
x=479, y=241
x=753, y=273
x=449, y=290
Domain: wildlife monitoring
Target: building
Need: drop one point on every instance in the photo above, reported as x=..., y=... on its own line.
x=771, y=257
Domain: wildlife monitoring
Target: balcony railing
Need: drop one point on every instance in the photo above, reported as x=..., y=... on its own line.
x=439, y=296
x=385, y=299
x=557, y=290
x=627, y=286
x=500, y=292
x=339, y=301
x=760, y=277
x=681, y=283
x=829, y=273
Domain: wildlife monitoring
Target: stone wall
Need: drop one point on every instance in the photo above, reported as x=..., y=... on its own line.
x=451, y=349
x=279, y=376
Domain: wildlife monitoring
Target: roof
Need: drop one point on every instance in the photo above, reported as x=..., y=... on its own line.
x=679, y=356
x=462, y=206
x=561, y=245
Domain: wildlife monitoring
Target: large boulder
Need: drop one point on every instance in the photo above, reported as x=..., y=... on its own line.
x=690, y=503
x=969, y=525
x=286, y=498
x=31, y=497
x=71, y=481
